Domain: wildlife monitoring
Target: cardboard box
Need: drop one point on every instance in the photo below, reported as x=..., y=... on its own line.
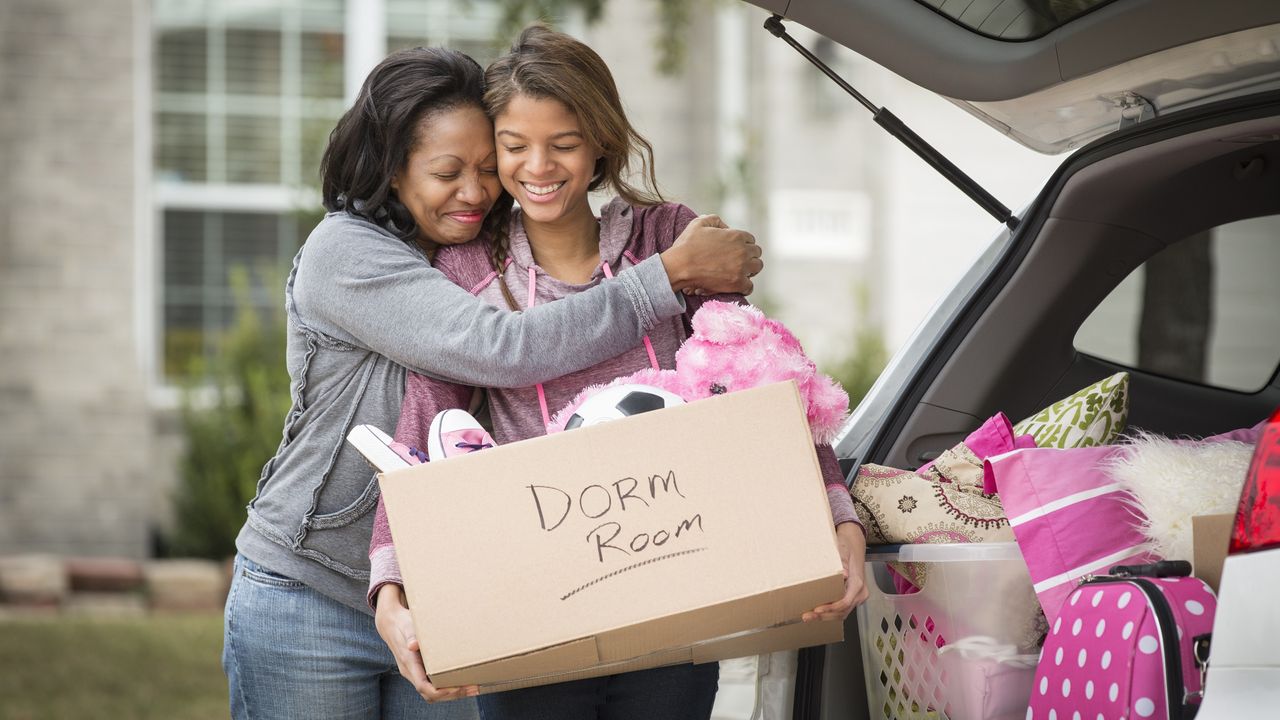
x=695, y=533
x=1210, y=536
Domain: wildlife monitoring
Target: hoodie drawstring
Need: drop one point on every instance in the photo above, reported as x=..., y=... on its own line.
x=533, y=288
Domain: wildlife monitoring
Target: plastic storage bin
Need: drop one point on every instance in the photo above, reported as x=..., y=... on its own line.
x=962, y=648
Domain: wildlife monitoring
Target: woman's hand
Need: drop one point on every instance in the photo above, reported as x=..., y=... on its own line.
x=709, y=257
x=395, y=625
x=853, y=553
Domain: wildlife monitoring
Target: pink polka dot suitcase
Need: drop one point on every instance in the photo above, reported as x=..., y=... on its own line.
x=1127, y=646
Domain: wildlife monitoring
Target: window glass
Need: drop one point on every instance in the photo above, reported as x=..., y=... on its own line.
x=253, y=61
x=253, y=149
x=249, y=240
x=181, y=147
x=312, y=143
x=468, y=27
x=185, y=55
x=184, y=268
x=245, y=97
x=322, y=64
x=1202, y=310
x=204, y=253
x=240, y=86
x=1013, y=19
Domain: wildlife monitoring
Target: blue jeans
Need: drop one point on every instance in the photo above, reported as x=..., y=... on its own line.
x=291, y=652
x=679, y=692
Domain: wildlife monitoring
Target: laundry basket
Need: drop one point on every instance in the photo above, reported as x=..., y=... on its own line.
x=962, y=648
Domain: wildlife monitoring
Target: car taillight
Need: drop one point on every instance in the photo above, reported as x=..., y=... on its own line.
x=1258, y=517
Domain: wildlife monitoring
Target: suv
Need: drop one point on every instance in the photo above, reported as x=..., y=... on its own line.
x=1171, y=193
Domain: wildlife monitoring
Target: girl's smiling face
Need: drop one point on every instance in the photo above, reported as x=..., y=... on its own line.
x=544, y=160
x=450, y=180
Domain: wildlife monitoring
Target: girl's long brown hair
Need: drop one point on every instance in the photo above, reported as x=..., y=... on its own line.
x=546, y=64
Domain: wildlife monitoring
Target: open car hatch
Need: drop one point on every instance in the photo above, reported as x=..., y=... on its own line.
x=1054, y=75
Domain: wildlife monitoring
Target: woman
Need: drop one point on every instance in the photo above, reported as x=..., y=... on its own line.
x=409, y=168
x=562, y=133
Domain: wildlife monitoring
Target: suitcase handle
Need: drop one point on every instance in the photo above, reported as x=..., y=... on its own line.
x=1164, y=568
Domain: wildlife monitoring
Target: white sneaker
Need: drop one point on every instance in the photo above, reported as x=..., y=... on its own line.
x=383, y=453
x=455, y=432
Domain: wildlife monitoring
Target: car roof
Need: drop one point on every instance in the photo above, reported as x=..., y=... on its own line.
x=1054, y=85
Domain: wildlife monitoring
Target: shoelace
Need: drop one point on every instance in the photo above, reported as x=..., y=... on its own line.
x=472, y=446
x=533, y=300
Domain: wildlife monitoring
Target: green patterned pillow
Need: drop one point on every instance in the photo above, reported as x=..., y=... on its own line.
x=1093, y=416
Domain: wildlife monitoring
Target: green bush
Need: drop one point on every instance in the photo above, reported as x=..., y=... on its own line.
x=233, y=412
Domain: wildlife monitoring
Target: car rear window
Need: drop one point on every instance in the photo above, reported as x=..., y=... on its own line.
x=1205, y=310
x=1013, y=19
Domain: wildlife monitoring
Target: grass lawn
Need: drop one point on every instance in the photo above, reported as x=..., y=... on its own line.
x=164, y=666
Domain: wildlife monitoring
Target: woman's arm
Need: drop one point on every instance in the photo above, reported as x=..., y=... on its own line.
x=692, y=264
x=359, y=285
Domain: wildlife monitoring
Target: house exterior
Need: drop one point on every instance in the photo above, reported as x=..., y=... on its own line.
x=152, y=146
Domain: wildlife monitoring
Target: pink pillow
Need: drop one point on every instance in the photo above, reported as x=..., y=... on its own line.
x=1244, y=435
x=1069, y=517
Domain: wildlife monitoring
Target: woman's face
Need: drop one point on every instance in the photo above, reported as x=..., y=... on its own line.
x=451, y=178
x=543, y=159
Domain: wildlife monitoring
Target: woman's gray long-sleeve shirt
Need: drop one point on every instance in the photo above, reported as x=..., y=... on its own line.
x=363, y=305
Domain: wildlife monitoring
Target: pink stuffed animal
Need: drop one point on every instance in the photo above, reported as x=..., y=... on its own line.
x=735, y=347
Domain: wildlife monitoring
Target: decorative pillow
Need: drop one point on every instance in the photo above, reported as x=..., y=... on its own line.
x=994, y=437
x=1093, y=416
x=1069, y=516
x=900, y=506
x=959, y=465
x=1171, y=480
x=963, y=463
x=955, y=508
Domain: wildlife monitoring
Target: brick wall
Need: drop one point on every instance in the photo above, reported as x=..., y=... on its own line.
x=74, y=422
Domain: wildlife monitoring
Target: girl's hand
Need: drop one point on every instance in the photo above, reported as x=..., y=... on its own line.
x=709, y=257
x=853, y=553
x=395, y=625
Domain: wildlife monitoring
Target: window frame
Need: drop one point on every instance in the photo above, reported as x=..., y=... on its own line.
x=365, y=28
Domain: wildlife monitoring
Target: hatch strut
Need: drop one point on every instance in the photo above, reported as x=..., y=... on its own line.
x=906, y=135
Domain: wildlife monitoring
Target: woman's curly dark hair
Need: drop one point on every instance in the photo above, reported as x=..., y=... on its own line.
x=371, y=143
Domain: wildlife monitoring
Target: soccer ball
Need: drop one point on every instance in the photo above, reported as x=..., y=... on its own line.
x=621, y=401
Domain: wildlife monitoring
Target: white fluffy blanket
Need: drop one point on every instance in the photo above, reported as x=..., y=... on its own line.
x=1171, y=480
